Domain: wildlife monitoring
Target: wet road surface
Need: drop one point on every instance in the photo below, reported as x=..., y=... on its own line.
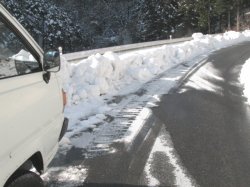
x=209, y=122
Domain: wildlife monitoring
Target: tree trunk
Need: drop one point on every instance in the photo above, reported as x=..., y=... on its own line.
x=219, y=18
x=229, y=20
x=238, y=17
x=209, y=19
x=209, y=24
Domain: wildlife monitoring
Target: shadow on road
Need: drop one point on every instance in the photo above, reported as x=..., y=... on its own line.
x=211, y=138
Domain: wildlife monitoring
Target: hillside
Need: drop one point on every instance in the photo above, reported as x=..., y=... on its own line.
x=84, y=24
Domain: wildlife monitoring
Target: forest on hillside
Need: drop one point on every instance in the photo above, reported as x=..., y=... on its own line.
x=86, y=24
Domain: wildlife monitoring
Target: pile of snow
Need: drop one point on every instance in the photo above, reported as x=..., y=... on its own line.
x=24, y=56
x=93, y=81
x=66, y=176
x=244, y=79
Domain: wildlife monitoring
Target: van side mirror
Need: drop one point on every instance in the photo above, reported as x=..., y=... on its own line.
x=51, y=61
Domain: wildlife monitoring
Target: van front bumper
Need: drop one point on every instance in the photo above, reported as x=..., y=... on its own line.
x=64, y=128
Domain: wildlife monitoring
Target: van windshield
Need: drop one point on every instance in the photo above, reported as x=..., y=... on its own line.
x=15, y=58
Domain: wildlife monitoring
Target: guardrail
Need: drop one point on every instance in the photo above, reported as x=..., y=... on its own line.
x=77, y=56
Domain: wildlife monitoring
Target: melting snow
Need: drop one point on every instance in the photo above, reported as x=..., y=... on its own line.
x=244, y=79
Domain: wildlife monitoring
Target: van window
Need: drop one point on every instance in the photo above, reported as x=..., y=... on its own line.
x=15, y=58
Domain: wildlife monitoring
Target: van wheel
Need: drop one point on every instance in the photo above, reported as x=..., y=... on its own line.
x=25, y=178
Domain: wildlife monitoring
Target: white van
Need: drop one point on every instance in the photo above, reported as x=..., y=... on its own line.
x=31, y=105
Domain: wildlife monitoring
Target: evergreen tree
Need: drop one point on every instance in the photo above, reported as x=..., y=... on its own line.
x=188, y=17
x=49, y=25
x=86, y=24
x=158, y=19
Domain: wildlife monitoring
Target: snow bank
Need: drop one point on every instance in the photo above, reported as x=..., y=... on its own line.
x=92, y=81
x=244, y=79
x=102, y=74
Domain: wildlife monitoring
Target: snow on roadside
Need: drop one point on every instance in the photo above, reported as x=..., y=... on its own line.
x=244, y=79
x=93, y=82
x=65, y=176
x=102, y=87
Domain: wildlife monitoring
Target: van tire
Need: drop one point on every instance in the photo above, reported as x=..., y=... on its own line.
x=24, y=178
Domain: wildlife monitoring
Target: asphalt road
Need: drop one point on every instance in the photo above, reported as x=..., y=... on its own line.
x=204, y=120
x=209, y=122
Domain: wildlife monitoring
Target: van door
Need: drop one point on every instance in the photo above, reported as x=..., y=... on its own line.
x=31, y=110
